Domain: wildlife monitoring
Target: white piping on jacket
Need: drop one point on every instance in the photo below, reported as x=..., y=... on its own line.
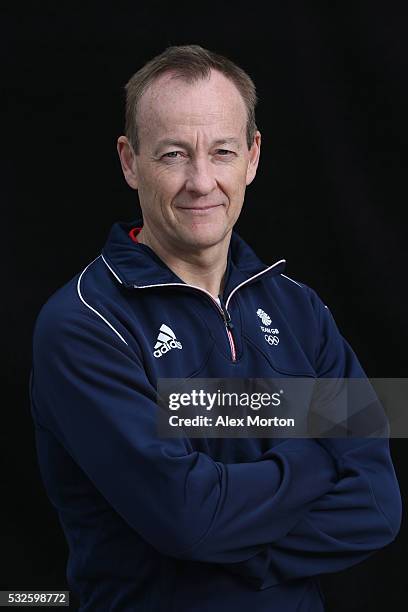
x=293, y=281
x=89, y=306
x=113, y=272
x=200, y=288
x=252, y=278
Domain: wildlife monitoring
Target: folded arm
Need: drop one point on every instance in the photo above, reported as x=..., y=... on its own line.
x=91, y=390
x=362, y=513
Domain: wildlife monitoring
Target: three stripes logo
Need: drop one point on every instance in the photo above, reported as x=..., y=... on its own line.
x=166, y=340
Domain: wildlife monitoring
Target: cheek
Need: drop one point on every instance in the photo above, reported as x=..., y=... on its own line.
x=233, y=184
x=233, y=176
x=167, y=182
x=159, y=186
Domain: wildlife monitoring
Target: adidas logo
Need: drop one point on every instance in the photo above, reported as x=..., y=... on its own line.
x=166, y=340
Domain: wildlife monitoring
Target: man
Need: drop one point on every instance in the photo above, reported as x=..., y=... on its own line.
x=179, y=524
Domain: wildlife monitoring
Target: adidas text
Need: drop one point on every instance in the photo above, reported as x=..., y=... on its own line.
x=166, y=340
x=167, y=347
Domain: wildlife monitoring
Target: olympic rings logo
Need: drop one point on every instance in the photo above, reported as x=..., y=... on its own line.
x=272, y=340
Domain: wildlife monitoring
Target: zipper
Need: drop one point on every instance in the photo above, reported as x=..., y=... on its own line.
x=229, y=327
x=222, y=307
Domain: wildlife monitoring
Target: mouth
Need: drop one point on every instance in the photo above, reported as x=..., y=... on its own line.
x=200, y=210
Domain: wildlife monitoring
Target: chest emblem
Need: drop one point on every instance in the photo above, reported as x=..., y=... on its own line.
x=271, y=334
x=166, y=340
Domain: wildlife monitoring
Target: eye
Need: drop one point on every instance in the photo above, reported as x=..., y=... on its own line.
x=224, y=152
x=171, y=154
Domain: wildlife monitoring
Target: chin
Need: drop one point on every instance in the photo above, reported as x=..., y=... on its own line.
x=204, y=235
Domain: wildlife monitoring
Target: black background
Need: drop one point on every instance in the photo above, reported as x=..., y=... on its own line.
x=330, y=197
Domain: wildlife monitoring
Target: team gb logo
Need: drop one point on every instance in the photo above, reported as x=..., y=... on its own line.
x=266, y=319
x=271, y=335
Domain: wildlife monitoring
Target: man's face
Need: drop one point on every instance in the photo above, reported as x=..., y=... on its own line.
x=193, y=164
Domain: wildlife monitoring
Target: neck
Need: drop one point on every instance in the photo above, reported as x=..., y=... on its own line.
x=204, y=268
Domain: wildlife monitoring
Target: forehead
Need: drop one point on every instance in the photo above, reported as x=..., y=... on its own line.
x=171, y=106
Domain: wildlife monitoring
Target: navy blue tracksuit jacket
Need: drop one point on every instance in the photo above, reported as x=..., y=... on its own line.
x=196, y=525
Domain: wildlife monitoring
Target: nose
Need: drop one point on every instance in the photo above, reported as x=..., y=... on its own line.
x=201, y=177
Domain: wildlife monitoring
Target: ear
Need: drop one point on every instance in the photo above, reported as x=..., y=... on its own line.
x=253, y=161
x=128, y=161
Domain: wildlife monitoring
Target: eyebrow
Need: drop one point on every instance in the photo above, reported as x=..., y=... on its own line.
x=186, y=145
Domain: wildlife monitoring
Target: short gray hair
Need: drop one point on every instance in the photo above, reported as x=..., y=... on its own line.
x=190, y=63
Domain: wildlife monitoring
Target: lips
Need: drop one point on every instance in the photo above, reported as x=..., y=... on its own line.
x=198, y=208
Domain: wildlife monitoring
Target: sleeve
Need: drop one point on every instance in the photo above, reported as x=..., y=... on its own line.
x=91, y=390
x=360, y=515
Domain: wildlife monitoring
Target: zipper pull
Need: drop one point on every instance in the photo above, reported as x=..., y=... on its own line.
x=227, y=317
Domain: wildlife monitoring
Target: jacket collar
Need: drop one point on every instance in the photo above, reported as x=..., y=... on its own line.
x=137, y=265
